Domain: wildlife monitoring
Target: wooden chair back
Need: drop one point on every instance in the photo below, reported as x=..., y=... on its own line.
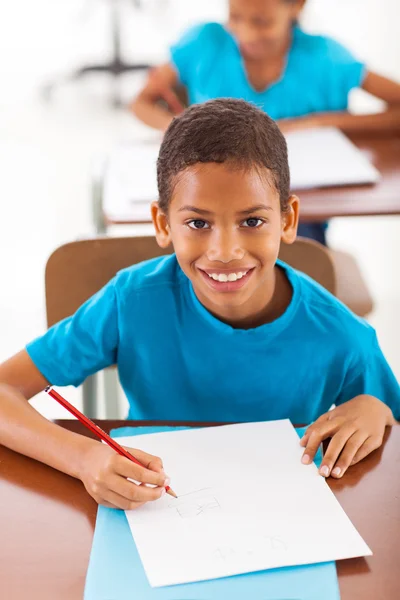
x=77, y=270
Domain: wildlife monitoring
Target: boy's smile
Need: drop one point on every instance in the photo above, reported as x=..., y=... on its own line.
x=226, y=225
x=226, y=280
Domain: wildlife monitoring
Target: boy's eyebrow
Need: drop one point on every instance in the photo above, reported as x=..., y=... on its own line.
x=246, y=211
x=190, y=208
x=251, y=209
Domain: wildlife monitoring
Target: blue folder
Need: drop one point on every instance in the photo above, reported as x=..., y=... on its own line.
x=116, y=573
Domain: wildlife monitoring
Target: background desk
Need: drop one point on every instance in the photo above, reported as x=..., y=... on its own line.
x=47, y=521
x=383, y=198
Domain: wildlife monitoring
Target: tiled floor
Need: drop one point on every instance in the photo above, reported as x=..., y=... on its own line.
x=47, y=152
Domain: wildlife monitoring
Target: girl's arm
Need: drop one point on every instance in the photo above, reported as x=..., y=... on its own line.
x=375, y=84
x=160, y=85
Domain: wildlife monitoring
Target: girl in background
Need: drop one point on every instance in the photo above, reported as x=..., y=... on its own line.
x=263, y=56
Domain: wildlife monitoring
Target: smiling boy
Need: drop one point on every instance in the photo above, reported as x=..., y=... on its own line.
x=220, y=330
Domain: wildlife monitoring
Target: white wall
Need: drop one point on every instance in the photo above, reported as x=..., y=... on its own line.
x=48, y=36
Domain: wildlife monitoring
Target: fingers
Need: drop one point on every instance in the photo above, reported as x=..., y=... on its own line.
x=322, y=419
x=106, y=504
x=172, y=100
x=341, y=451
x=129, y=469
x=133, y=492
x=148, y=460
x=120, y=493
x=319, y=432
x=162, y=88
x=371, y=443
x=356, y=428
x=114, y=500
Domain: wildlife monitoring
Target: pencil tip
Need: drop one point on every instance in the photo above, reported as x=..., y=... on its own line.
x=172, y=493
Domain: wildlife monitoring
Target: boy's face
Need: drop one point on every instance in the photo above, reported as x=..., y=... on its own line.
x=261, y=26
x=226, y=227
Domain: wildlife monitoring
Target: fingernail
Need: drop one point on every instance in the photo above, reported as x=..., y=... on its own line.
x=324, y=471
x=336, y=471
x=167, y=481
x=306, y=459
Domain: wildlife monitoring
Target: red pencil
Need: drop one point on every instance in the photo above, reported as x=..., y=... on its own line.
x=97, y=431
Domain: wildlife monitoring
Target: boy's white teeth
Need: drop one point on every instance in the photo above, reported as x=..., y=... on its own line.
x=224, y=277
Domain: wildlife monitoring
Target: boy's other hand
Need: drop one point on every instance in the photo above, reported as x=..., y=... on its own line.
x=105, y=475
x=356, y=428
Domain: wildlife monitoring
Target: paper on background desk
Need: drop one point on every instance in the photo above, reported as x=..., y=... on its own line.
x=130, y=181
x=246, y=503
x=325, y=157
x=320, y=157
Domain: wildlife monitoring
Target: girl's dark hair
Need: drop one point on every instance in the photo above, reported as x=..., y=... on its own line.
x=223, y=131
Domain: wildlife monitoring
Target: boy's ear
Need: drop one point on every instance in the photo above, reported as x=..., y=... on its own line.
x=290, y=220
x=161, y=226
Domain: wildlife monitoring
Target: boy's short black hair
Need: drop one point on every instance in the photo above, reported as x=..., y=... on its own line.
x=219, y=131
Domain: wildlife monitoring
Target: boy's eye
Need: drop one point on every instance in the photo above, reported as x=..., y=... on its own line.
x=252, y=222
x=198, y=224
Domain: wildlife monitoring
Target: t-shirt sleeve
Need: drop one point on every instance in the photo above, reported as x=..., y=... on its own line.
x=372, y=375
x=344, y=71
x=195, y=47
x=184, y=53
x=81, y=344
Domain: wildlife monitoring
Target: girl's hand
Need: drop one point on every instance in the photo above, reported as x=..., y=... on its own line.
x=159, y=87
x=288, y=125
x=356, y=428
x=105, y=476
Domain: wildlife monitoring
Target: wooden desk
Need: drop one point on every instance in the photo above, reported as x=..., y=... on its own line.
x=47, y=521
x=382, y=198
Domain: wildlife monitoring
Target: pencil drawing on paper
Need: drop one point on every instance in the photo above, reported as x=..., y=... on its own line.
x=263, y=544
x=195, y=504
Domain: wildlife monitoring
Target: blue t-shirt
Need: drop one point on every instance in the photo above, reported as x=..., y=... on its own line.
x=176, y=361
x=318, y=76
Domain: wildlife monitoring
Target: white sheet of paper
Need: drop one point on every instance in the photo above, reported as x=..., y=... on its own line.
x=130, y=181
x=325, y=157
x=317, y=157
x=245, y=503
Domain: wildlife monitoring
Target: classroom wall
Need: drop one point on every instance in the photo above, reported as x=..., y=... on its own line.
x=52, y=36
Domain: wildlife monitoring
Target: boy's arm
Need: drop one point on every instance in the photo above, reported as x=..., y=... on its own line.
x=25, y=430
x=160, y=85
x=388, y=120
x=103, y=472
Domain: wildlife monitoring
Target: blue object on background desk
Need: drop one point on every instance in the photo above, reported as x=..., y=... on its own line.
x=116, y=573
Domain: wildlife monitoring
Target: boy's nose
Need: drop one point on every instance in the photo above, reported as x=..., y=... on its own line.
x=225, y=248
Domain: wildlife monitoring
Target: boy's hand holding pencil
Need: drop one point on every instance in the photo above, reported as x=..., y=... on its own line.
x=108, y=470
x=105, y=476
